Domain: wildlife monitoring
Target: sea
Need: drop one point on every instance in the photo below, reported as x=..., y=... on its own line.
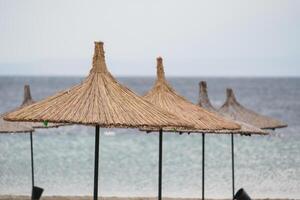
x=265, y=166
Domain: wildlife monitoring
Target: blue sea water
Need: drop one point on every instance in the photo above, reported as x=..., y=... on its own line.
x=266, y=166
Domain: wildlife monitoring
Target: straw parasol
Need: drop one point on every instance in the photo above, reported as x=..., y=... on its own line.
x=235, y=110
x=163, y=95
x=246, y=129
x=16, y=127
x=19, y=127
x=98, y=101
x=204, y=102
x=13, y=127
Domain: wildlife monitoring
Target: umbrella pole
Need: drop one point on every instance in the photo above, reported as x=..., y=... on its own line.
x=31, y=154
x=203, y=163
x=232, y=156
x=160, y=164
x=96, y=162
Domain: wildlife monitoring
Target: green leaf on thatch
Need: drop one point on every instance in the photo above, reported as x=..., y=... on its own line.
x=45, y=123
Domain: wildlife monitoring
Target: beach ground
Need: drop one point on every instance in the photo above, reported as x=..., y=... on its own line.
x=12, y=197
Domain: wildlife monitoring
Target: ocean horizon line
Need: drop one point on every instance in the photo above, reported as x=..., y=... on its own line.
x=153, y=76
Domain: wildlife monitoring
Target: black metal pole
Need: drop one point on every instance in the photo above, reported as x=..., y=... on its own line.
x=96, y=162
x=160, y=164
x=32, y=167
x=203, y=163
x=232, y=156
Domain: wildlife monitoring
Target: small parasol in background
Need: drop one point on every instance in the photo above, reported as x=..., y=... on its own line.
x=13, y=127
x=246, y=129
x=16, y=127
x=235, y=110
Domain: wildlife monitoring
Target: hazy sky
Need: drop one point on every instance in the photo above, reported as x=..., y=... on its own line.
x=195, y=38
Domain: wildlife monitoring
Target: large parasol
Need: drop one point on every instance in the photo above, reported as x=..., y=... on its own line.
x=98, y=101
x=246, y=129
x=163, y=95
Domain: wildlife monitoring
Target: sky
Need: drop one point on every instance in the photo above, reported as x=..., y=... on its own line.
x=195, y=38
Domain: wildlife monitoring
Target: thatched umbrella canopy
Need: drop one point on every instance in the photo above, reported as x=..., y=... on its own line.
x=204, y=102
x=13, y=127
x=99, y=101
x=246, y=129
x=163, y=95
x=235, y=110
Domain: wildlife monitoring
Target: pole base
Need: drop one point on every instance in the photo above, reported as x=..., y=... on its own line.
x=36, y=193
x=241, y=195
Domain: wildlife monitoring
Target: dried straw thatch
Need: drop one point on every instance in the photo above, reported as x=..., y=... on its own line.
x=163, y=95
x=235, y=110
x=246, y=129
x=98, y=100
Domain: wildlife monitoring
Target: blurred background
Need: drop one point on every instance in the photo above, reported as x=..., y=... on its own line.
x=196, y=38
x=251, y=46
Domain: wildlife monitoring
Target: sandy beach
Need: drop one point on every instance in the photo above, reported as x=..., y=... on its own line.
x=12, y=197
